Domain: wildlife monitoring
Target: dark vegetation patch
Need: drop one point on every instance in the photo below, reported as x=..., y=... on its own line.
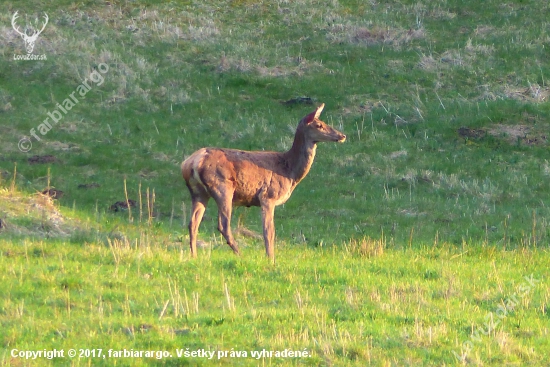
x=91, y=185
x=122, y=205
x=42, y=159
x=53, y=193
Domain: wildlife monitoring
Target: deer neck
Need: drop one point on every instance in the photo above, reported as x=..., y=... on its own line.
x=300, y=156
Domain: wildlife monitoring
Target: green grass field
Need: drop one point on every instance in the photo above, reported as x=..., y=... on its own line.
x=422, y=240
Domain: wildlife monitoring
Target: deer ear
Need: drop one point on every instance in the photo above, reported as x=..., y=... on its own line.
x=314, y=115
x=309, y=118
x=319, y=110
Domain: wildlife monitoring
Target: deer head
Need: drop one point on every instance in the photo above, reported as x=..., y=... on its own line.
x=317, y=131
x=29, y=39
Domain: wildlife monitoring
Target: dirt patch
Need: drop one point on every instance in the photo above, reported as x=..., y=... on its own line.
x=42, y=159
x=298, y=100
x=88, y=185
x=122, y=205
x=147, y=173
x=53, y=193
x=512, y=134
x=518, y=133
x=466, y=132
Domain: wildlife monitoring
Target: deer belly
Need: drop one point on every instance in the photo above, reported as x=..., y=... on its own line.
x=241, y=198
x=283, y=198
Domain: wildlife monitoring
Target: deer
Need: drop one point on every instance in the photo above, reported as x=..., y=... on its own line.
x=29, y=40
x=266, y=179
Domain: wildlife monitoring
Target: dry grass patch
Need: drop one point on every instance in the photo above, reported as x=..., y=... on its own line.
x=32, y=215
x=484, y=30
x=72, y=126
x=187, y=26
x=287, y=66
x=373, y=35
x=423, y=11
x=464, y=57
x=361, y=104
x=366, y=247
x=398, y=154
x=448, y=59
x=66, y=147
x=519, y=133
x=9, y=135
x=428, y=63
x=533, y=93
x=163, y=157
x=478, y=48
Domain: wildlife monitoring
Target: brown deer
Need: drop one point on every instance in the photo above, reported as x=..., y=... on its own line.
x=265, y=179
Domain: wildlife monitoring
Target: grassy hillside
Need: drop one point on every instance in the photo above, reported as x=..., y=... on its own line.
x=391, y=252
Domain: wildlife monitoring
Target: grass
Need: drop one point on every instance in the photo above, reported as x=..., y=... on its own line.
x=353, y=304
x=391, y=252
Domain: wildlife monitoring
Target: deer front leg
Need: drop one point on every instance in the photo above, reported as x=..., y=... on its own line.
x=268, y=211
x=224, y=222
x=199, y=206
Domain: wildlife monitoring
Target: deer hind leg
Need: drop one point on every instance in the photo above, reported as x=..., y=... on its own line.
x=268, y=212
x=200, y=200
x=199, y=207
x=224, y=219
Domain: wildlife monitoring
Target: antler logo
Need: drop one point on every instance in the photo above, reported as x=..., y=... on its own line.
x=29, y=39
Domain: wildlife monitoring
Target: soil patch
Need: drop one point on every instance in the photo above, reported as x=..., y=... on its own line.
x=42, y=159
x=53, y=193
x=518, y=133
x=88, y=185
x=122, y=205
x=298, y=100
x=466, y=132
